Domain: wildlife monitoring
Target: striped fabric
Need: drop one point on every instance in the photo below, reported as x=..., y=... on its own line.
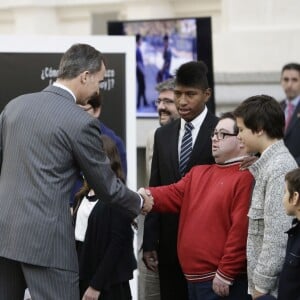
x=186, y=147
x=45, y=139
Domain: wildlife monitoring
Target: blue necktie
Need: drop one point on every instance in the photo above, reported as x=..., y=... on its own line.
x=186, y=147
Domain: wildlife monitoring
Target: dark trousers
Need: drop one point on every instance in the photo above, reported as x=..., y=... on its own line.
x=204, y=291
x=120, y=291
x=172, y=283
x=43, y=283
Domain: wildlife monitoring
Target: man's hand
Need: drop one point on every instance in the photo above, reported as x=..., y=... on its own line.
x=220, y=287
x=91, y=294
x=148, y=200
x=256, y=294
x=150, y=260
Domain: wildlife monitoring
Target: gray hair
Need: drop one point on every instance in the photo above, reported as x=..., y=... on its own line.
x=80, y=58
x=167, y=85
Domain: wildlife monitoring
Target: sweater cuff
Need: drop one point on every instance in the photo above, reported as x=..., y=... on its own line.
x=224, y=278
x=263, y=291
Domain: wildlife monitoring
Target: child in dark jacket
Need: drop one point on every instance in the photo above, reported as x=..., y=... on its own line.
x=104, y=239
x=289, y=281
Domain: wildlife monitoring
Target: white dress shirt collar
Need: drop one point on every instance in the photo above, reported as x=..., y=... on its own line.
x=64, y=88
x=197, y=122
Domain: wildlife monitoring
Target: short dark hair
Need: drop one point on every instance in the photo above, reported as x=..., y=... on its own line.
x=192, y=74
x=230, y=115
x=80, y=58
x=262, y=112
x=292, y=179
x=291, y=66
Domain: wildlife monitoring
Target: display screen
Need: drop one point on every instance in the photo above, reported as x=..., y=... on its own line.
x=161, y=47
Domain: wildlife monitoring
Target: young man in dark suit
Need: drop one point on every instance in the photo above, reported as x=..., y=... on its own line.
x=290, y=82
x=170, y=163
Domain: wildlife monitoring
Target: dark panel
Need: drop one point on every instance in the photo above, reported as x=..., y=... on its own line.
x=31, y=72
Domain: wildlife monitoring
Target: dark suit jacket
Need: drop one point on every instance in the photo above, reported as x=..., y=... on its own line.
x=292, y=134
x=106, y=257
x=45, y=139
x=165, y=170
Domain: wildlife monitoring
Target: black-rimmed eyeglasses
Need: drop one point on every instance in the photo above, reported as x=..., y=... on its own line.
x=221, y=135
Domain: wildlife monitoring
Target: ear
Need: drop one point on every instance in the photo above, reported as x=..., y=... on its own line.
x=207, y=93
x=295, y=198
x=83, y=76
x=260, y=132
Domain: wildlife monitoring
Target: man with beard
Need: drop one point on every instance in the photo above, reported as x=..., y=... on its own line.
x=170, y=163
x=167, y=112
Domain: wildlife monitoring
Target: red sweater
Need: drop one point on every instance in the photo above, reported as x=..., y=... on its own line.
x=213, y=201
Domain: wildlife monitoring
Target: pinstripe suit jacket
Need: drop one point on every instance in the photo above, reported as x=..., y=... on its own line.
x=45, y=139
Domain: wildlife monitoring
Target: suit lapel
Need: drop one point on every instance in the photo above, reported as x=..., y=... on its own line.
x=172, y=140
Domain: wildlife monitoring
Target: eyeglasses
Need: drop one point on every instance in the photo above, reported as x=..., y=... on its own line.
x=221, y=135
x=165, y=101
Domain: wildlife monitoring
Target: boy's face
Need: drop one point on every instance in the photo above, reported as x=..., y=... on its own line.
x=288, y=202
x=190, y=101
x=246, y=135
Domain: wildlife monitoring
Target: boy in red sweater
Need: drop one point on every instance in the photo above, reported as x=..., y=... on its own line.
x=213, y=201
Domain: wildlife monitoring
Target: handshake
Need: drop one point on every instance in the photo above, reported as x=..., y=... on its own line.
x=148, y=200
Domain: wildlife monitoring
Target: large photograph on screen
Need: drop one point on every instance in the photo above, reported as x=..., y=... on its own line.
x=161, y=47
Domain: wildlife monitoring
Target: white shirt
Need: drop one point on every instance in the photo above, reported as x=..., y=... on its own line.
x=82, y=217
x=197, y=122
x=64, y=88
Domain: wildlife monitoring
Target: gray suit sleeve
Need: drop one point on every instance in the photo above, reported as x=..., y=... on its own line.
x=95, y=166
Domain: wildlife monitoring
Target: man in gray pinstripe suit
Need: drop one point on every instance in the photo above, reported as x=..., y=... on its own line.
x=45, y=139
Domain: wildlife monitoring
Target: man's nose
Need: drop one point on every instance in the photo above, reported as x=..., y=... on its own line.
x=289, y=83
x=161, y=105
x=181, y=99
